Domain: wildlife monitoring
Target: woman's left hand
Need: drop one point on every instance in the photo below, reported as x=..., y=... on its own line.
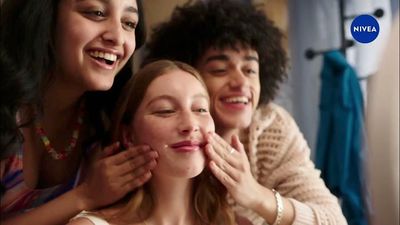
x=231, y=167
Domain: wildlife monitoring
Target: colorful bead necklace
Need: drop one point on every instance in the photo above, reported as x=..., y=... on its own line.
x=72, y=143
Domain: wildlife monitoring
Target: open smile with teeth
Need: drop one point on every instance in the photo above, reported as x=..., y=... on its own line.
x=105, y=57
x=236, y=100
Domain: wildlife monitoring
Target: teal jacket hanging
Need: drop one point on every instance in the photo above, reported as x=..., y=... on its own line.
x=340, y=142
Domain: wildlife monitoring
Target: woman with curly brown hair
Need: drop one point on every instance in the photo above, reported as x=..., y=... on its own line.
x=259, y=154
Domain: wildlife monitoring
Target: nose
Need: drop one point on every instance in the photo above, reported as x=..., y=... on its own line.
x=238, y=78
x=188, y=124
x=113, y=33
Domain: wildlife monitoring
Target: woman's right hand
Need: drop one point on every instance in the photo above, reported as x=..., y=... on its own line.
x=111, y=176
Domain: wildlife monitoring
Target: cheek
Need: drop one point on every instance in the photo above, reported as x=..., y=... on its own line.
x=151, y=133
x=212, y=88
x=256, y=87
x=76, y=40
x=208, y=124
x=130, y=44
x=213, y=85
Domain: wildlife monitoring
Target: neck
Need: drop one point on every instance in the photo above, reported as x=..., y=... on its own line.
x=60, y=112
x=60, y=99
x=172, y=201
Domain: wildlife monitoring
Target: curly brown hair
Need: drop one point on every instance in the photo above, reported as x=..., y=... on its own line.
x=197, y=26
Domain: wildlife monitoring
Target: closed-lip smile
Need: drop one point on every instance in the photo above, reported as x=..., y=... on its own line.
x=187, y=146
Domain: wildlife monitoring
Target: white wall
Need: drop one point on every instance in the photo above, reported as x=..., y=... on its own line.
x=383, y=135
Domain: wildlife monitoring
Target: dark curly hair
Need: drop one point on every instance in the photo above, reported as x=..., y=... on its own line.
x=197, y=26
x=27, y=56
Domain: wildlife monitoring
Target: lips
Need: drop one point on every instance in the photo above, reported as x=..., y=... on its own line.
x=110, y=58
x=236, y=102
x=105, y=58
x=187, y=146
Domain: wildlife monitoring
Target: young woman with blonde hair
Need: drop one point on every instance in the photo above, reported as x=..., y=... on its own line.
x=166, y=106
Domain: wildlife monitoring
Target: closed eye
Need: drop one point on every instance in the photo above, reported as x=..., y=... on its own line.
x=218, y=71
x=164, y=112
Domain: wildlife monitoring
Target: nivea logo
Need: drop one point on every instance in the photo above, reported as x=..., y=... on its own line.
x=364, y=28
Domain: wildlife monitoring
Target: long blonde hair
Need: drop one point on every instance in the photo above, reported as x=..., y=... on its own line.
x=209, y=195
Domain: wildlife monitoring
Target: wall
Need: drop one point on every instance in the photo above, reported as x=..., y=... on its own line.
x=383, y=135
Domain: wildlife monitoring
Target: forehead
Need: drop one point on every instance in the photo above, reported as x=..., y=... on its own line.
x=129, y=5
x=229, y=54
x=175, y=82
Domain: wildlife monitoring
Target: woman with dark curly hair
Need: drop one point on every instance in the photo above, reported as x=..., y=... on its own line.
x=259, y=153
x=58, y=61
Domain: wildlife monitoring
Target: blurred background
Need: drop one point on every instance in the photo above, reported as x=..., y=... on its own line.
x=319, y=26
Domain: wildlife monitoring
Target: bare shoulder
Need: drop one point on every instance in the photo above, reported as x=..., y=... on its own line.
x=80, y=221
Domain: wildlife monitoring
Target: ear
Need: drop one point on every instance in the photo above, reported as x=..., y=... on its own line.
x=127, y=135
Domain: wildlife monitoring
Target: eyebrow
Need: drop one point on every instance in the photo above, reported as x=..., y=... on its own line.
x=202, y=96
x=173, y=99
x=224, y=57
x=132, y=9
x=129, y=8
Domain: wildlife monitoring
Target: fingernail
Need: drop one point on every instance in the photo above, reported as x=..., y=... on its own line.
x=155, y=154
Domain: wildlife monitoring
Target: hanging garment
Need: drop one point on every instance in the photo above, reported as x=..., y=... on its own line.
x=340, y=142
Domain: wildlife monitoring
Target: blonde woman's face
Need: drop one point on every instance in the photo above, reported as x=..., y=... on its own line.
x=172, y=119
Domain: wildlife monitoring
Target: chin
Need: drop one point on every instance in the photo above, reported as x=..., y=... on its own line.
x=234, y=123
x=105, y=86
x=195, y=172
x=190, y=170
x=185, y=171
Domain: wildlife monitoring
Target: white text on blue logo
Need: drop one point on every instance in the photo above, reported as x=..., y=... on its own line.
x=369, y=29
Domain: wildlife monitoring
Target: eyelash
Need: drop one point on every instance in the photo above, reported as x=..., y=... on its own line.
x=201, y=110
x=250, y=71
x=131, y=25
x=98, y=15
x=95, y=13
x=165, y=111
x=170, y=111
x=220, y=71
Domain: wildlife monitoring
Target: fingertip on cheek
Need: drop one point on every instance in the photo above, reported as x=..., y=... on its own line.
x=210, y=137
x=212, y=164
x=207, y=136
x=208, y=149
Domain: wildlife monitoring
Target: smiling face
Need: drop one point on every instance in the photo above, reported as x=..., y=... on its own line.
x=233, y=82
x=93, y=40
x=171, y=118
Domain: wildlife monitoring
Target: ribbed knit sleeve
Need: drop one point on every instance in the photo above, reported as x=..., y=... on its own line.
x=280, y=159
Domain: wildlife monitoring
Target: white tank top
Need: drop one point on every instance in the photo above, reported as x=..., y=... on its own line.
x=94, y=219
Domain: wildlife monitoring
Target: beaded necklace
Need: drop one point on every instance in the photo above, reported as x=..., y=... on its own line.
x=63, y=154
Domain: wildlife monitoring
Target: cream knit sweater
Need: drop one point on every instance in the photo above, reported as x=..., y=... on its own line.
x=280, y=158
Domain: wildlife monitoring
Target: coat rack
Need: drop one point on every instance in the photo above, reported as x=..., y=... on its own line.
x=345, y=43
